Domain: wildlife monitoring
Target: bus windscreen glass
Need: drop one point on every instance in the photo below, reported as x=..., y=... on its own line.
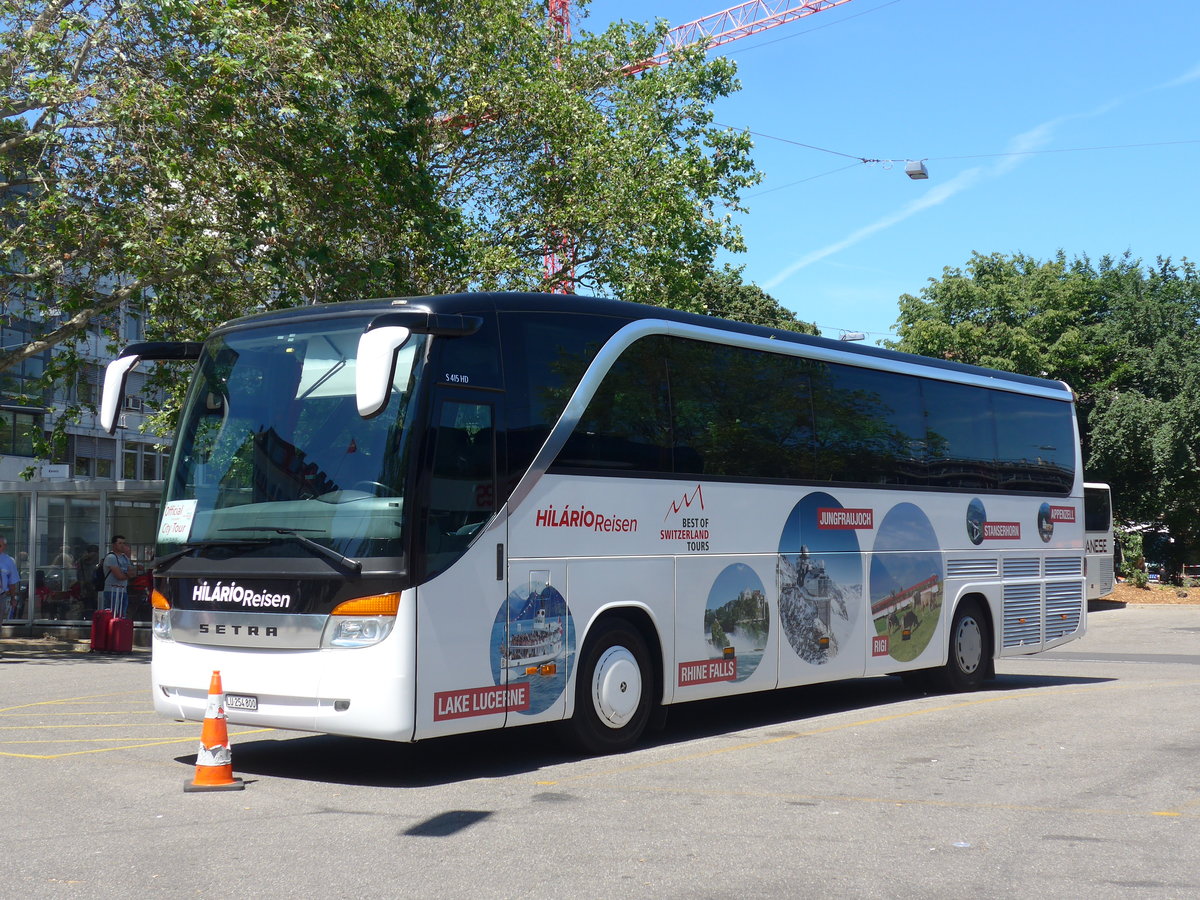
x=271, y=438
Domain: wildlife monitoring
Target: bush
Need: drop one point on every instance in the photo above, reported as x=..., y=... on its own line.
x=1139, y=579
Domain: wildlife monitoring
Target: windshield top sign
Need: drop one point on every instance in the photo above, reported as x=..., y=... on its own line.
x=176, y=522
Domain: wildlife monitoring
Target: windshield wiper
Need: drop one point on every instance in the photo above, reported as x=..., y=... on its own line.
x=160, y=561
x=350, y=565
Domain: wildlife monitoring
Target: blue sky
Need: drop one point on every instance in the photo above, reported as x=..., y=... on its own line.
x=958, y=83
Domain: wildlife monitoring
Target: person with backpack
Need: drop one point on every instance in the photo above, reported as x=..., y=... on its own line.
x=117, y=571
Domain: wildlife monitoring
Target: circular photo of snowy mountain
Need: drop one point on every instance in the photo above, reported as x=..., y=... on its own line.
x=819, y=577
x=533, y=639
x=906, y=581
x=737, y=620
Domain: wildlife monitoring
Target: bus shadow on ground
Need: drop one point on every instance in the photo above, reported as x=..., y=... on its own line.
x=496, y=754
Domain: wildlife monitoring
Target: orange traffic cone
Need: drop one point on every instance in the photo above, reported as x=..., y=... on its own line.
x=214, y=759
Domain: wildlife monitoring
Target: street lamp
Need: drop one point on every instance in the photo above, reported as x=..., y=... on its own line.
x=915, y=169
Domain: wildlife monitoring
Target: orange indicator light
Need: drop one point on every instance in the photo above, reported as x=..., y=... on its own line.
x=375, y=605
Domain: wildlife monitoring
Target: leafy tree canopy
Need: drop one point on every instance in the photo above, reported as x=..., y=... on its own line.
x=1125, y=336
x=206, y=158
x=723, y=293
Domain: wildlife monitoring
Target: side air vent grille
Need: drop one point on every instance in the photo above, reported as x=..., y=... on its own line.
x=1064, y=609
x=1022, y=614
x=971, y=568
x=1022, y=568
x=1063, y=566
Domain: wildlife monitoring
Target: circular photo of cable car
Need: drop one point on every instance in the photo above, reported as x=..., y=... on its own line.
x=976, y=517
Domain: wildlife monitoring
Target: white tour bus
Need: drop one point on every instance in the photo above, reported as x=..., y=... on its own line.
x=407, y=518
x=1098, y=541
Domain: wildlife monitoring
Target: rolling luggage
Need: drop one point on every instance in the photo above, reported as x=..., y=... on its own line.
x=100, y=622
x=120, y=635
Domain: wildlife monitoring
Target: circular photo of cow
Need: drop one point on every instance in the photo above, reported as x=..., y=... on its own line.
x=906, y=582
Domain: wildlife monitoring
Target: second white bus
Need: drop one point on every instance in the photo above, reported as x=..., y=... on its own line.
x=1099, y=542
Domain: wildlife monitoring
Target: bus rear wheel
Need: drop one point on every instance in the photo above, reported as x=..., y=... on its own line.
x=970, y=649
x=612, y=690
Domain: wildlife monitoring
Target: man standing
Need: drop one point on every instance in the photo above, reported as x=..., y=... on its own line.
x=10, y=581
x=117, y=574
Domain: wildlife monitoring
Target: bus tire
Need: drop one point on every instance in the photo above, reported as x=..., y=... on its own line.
x=613, y=698
x=970, y=649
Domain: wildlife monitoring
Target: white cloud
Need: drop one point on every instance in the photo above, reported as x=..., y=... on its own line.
x=937, y=195
x=1186, y=78
x=1019, y=148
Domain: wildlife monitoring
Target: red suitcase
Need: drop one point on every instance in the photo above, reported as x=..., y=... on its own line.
x=100, y=622
x=120, y=635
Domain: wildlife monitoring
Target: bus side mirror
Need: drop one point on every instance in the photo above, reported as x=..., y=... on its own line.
x=115, y=376
x=117, y=372
x=376, y=367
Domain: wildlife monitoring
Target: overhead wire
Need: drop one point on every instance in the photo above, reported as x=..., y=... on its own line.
x=866, y=160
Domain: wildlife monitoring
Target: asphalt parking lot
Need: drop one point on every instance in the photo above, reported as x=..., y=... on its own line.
x=1073, y=774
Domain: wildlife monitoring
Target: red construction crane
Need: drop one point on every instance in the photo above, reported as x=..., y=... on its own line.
x=729, y=25
x=711, y=31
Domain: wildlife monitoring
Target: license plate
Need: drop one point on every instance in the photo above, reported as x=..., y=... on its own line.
x=241, y=701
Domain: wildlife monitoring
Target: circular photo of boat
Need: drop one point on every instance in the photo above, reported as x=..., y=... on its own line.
x=737, y=620
x=533, y=639
x=819, y=578
x=906, y=581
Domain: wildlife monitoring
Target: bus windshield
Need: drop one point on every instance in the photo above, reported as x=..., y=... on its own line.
x=1097, y=508
x=271, y=444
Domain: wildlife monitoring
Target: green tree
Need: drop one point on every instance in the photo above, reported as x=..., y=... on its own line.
x=201, y=159
x=723, y=293
x=1013, y=313
x=717, y=636
x=1125, y=336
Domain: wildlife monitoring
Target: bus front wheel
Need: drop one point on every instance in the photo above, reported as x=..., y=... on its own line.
x=612, y=690
x=970, y=649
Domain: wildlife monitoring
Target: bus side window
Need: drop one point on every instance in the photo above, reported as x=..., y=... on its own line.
x=961, y=431
x=461, y=482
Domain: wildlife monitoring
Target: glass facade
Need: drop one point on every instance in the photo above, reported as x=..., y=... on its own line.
x=58, y=536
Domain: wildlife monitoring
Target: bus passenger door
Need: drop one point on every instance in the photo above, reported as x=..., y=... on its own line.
x=457, y=557
x=534, y=654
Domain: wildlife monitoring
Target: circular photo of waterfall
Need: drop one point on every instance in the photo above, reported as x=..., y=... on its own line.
x=737, y=620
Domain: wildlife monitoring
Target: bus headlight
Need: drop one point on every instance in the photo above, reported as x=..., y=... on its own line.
x=361, y=622
x=356, y=632
x=161, y=616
